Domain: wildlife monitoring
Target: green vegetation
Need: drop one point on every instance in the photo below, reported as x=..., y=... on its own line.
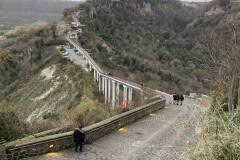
x=52, y=116
x=150, y=47
x=40, y=90
x=23, y=58
x=11, y=127
x=220, y=138
x=219, y=52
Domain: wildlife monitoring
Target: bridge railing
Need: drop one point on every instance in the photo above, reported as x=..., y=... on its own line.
x=86, y=54
x=89, y=58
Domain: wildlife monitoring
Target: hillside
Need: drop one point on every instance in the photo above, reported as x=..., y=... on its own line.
x=218, y=49
x=148, y=43
x=155, y=43
x=41, y=90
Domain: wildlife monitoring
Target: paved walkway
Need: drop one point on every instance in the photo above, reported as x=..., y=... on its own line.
x=164, y=135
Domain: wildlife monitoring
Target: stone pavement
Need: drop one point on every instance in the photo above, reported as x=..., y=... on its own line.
x=164, y=135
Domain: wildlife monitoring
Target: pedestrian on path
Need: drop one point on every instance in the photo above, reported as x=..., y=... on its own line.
x=79, y=138
x=177, y=99
x=181, y=98
x=174, y=98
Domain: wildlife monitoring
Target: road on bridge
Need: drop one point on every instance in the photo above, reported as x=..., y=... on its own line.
x=77, y=58
x=165, y=135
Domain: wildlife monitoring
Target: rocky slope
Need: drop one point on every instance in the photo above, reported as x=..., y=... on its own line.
x=40, y=90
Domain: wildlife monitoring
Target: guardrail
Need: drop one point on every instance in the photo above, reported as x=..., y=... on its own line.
x=86, y=54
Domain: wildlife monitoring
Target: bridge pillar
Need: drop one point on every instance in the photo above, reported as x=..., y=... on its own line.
x=130, y=96
x=117, y=96
x=98, y=76
x=125, y=93
x=90, y=66
x=99, y=82
x=106, y=92
x=103, y=82
x=94, y=74
x=113, y=93
x=109, y=91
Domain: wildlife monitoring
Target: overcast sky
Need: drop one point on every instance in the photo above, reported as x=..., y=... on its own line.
x=182, y=0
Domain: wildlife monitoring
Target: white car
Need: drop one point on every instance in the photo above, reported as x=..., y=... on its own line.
x=65, y=54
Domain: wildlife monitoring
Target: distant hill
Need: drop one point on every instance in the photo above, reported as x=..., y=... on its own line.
x=20, y=12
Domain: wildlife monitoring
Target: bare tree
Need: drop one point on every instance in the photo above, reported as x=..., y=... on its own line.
x=220, y=54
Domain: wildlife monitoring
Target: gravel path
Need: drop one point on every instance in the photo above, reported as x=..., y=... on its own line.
x=164, y=135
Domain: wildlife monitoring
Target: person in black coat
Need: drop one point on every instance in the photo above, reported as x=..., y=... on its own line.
x=79, y=137
x=181, y=98
x=177, y=99
x=174, y=98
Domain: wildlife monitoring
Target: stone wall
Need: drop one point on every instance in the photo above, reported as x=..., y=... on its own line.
x=53, y=131
x=41, y=145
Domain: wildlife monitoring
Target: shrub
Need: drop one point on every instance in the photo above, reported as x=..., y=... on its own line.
x=220, y=140
x=62, y=49
x=55, y=42
x=51, y=116
x=125, y=109
x=11, y=127
x=88, y=112
x=45, y=125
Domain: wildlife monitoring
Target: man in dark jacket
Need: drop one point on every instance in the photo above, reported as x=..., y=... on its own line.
x=174, y=98
x=181, y=98
x=79, y=138
x=177, y=99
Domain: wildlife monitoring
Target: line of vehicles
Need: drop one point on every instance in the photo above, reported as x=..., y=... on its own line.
x=66, y=53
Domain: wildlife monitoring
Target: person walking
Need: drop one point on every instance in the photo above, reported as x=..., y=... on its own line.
x=79, y=138
x=177, y=99
x=174, y=98
x=181, y=98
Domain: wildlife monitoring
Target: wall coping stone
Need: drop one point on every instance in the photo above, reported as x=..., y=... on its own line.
x=125, y=114
x=53, y=131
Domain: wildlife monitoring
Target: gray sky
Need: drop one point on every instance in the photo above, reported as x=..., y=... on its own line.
x=180, y=0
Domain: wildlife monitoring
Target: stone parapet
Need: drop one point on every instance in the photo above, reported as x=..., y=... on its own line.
x=42, y=145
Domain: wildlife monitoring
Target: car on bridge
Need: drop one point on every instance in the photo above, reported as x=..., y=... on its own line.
x=65, y=54
x=109, y=74
x=75, y=50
